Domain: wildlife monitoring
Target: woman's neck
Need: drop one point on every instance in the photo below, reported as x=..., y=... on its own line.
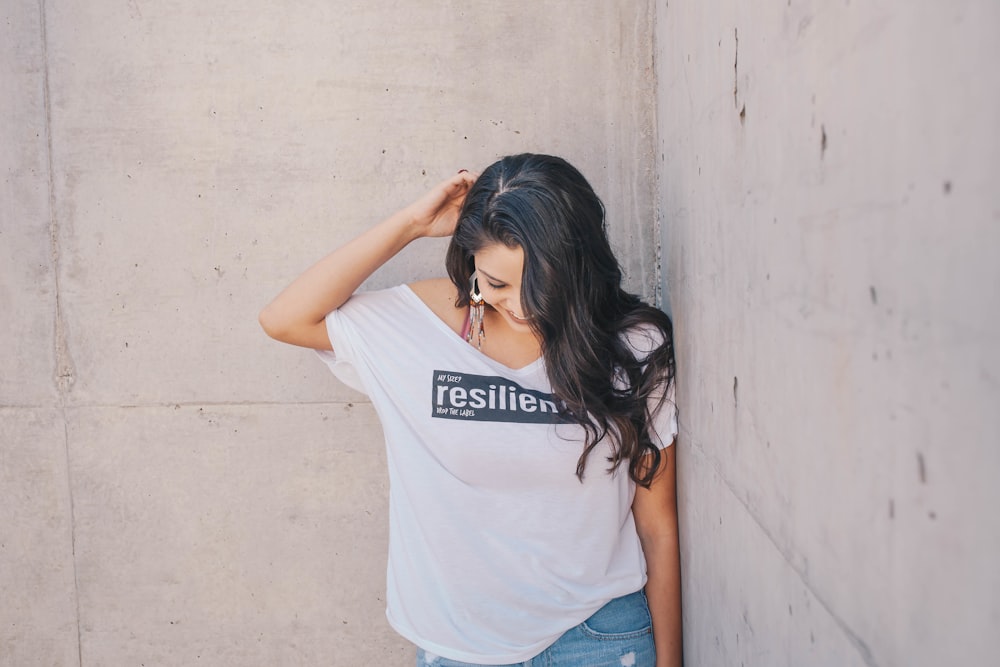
x=502, y=343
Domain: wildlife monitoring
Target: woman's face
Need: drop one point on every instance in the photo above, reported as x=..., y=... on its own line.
x=499, y=269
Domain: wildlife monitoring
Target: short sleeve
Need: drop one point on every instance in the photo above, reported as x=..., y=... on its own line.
x=341, y=360
x=663, y=409
x=664, y=419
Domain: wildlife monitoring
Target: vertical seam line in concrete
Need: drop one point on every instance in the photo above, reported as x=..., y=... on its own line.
x=646, y=113
x=64, y=366
x=654, y=45
x=859, y=644
x=64, y=372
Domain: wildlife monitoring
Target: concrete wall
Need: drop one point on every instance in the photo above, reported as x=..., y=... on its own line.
x=830, y=217
x=175, y=489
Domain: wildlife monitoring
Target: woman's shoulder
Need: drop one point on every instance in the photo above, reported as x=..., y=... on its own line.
x=438, y=294
x=645, y=338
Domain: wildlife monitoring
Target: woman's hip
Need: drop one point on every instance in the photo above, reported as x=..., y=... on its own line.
x=619, y=634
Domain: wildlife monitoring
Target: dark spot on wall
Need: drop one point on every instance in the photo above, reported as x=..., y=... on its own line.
x=790, y=610
x=822, y=140
x=892, y=508
x=921, y=468
x=873, y=294
x=947, y=187
x=736, y=383
x=736, y=68
x=743, y=115
x=932, y=515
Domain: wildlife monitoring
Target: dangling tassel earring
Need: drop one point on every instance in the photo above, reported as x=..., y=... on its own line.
x=477, y=308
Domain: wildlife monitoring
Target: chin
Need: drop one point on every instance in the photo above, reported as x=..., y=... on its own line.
x=523, y=326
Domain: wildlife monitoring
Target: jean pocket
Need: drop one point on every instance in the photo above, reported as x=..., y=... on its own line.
x=626, y=617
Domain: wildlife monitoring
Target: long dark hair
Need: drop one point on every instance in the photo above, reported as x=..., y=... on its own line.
x=571, y=291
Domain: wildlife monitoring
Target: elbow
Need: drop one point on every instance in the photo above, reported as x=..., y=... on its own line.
x=271, y=324
x=285, y=322
x=285, y=329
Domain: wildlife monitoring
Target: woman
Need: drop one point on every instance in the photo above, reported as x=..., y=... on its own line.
x=532, y=507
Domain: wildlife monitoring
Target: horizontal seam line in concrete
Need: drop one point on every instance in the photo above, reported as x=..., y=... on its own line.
x=855, y=640
x=181, y=404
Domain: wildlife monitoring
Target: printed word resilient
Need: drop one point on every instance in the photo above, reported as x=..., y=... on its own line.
x=490, y=398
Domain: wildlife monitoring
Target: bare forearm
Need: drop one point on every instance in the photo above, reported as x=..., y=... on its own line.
x=331, y=281
x=664, y=596
x=655, y=511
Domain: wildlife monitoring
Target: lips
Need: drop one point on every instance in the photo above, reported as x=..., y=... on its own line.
x=516, y=318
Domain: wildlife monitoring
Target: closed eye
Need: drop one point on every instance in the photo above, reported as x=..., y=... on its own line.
x=494, y=285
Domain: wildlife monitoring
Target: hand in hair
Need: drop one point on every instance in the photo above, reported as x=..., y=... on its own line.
x=436, y=213
x=297, y=315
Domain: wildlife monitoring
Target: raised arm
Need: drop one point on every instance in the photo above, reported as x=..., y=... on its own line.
x=296, y=316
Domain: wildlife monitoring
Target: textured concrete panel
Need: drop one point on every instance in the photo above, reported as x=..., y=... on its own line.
x=201, y=155
x=231, y=535
x=745, y=604
x=829, y=220
x=38, y=623
x=209, y=153
x=27, y=280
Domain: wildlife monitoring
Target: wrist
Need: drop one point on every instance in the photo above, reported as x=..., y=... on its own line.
x=404, y=226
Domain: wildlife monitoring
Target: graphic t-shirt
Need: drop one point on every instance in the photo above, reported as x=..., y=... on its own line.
x=495, y=546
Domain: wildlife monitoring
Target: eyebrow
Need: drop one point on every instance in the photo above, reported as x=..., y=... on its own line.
x=493, y=278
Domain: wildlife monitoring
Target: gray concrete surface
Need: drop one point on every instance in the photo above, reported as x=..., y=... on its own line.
x=175, y=489
x=830, y=219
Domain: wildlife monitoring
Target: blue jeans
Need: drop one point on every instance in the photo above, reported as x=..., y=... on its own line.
x=619, y=634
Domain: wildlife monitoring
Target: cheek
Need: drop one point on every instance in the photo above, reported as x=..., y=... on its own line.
x=505, y=298
x=489, y=294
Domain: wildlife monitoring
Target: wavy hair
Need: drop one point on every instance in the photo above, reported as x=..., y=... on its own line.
x=571, y=291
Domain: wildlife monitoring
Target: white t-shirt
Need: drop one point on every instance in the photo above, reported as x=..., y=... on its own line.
x=496, y=548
